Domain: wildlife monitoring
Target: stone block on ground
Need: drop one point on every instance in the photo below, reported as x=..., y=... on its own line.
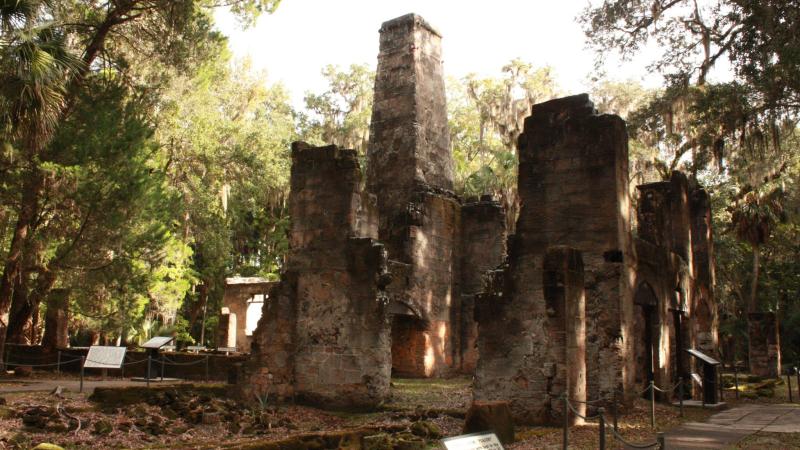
x=491, y=416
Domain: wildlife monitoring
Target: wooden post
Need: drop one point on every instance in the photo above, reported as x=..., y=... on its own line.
x=614, y=411
x=566, y=422
x=736, y=379
x=148, y=369
x=58, y=364
x=652, y=404
x=789, y=386
x=602, y=426
x=83, y=362
x=680, y=394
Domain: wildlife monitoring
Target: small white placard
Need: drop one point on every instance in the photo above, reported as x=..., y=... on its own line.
x=103, y=357
x=475, y=441
x=157, y=342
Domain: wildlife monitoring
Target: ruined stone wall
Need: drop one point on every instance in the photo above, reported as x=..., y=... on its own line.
x=226, y=329
x=324, y=333
x=238, y=291
x=765, y=344
x=532, y=330
x=573, y=187
x=483, y=243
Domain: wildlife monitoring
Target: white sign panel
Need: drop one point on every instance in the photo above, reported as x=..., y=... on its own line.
x=158, y=342
x=102, y=357
x=475, y=441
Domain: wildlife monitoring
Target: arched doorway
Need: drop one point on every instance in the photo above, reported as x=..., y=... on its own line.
x=409, y=342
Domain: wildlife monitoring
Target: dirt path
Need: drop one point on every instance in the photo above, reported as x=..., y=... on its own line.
x=725, y=429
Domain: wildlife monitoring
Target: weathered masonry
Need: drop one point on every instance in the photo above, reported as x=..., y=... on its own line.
x=335, y=329
x=405, y=278
x=561, y=306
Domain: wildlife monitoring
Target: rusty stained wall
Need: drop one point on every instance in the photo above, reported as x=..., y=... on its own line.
x=324, y=334
x=573, y=190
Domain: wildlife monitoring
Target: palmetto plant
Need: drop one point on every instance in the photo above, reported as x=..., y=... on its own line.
x=35, y=70
x=753, y=219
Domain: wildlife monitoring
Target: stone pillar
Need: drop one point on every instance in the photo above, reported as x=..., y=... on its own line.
x=483, y=248
x=324, y=333
x=56, y=330
x=705, y=305
x=411, y=174
x=765, y=344
x=226, y=329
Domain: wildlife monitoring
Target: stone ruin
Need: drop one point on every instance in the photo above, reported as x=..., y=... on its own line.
x=242, y=305
x=402, y=277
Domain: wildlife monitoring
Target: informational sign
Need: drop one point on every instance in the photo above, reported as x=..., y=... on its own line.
x=104, y=357
x=158, y=342
x=475, y=441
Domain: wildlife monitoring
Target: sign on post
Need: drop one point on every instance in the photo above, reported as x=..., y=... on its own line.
x=105, y=357
x=474, y=441
x=158, y=342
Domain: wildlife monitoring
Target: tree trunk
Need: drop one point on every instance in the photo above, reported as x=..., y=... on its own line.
x=13, y=264
x=24, y=317
x=20, y=311
x=752, y=305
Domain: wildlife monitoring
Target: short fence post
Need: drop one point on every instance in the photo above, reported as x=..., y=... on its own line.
x=680, y=394
x=736, y=379
x=162, y=367
x=798, y=380
x=662, y=443
x=566, y=422
x=721, y=388
x=58, y=364
x=602, y=426
x=614, y=411
x=789, y=385
x=148, y=370
x=207, y=368
x=83, y=362
x=652, y=404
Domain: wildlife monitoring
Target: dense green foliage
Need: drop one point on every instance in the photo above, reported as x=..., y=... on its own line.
x=732, y=127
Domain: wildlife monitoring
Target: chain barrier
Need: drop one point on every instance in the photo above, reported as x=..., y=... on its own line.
x=42, y=365
x=175, y=363
x=655, y=444
x=574, y=411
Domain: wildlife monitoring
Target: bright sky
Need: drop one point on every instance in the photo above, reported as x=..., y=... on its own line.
x=303, y=36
